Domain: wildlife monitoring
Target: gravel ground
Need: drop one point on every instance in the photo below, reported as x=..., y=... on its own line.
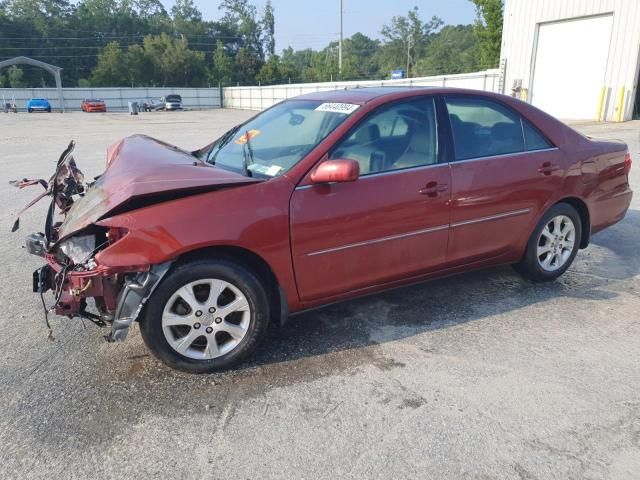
x=479, y=376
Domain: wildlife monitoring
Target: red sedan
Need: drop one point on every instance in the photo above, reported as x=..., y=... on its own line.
x=321, y=198
x=92, y=105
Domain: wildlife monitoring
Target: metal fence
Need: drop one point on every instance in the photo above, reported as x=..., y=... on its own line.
x=245, y=98
x=116, y=98
x=259, y=98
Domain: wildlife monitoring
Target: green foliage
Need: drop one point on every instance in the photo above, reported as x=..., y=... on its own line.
x=269, y=29
x=453, y=50
x=407, y=39
x=140, y=43
x=110, y=70
x=162, y=60
x=15, y=77
x=221, y=71
x=488, y=28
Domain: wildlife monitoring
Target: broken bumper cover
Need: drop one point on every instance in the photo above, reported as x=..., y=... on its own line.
x=137, y=289
x=121, y=294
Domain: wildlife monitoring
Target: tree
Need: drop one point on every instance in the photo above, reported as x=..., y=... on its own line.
x=221, y=71
x=488, y=27
x=407, y=38
x=110, y=70
x=270, y=73
x=15, y=77
x=186, y=10
x=161, y=59
x=454, y=49
x=269, y=29
x=359, y=57
x=173, y=62
x=187, y=19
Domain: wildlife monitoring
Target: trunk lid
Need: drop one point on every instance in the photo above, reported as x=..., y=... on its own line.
x=143, y=169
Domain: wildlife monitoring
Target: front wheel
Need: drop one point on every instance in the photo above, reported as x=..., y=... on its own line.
x=553, y=245
x=206, y=316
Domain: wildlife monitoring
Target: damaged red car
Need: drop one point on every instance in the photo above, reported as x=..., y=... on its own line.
x=318, y=199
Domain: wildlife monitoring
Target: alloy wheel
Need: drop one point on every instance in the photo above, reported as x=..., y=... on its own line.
x=556, y=243
x=206, y=319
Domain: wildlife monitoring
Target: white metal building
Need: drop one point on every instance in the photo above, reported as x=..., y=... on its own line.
x=576, y=59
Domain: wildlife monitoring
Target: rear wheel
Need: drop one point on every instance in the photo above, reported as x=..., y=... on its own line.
x=29, y=110
x=553, y=245
x=206, y=316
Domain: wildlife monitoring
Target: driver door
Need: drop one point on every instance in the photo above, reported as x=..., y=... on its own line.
x=391, y=223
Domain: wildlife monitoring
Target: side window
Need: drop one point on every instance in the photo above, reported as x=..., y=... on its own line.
x=403, y=135
x=482, y=128
x=533, y=138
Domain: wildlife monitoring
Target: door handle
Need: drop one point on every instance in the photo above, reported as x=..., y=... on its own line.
x=547, y=168
x=433, y=189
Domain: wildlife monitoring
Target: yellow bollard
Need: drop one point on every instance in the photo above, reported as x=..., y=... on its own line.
x=620, y=104
x=601, y=104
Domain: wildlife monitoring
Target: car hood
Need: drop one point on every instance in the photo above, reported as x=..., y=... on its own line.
x=40, y=103
x=143, y=171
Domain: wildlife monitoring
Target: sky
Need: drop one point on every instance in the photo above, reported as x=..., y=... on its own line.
x=313, y=24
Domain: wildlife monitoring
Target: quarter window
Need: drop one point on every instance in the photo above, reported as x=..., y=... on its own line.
x=534, y=139
x=403, y=135
x=483, y=128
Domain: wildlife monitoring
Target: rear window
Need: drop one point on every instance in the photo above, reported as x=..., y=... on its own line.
x=483, y=128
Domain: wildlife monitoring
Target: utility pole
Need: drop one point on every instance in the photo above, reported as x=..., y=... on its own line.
x=408, y=55
x=341, y=34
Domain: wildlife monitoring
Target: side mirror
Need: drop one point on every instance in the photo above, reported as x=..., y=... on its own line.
x=337, y=171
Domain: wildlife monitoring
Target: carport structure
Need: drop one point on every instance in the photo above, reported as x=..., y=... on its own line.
x=55, y=71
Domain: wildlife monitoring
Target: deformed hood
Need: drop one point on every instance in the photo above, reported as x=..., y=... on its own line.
x=142, y=168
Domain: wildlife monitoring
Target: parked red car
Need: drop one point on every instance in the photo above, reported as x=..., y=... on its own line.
x=322, y=198
x=93, y=105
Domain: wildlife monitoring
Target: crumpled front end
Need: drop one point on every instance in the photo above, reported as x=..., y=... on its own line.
x=80, y=266
x=72, y=272
x=74, y=276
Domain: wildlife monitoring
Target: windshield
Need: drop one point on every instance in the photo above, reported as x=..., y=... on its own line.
x=277, y=139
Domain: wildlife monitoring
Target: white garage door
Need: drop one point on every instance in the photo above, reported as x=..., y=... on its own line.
x=569, y=71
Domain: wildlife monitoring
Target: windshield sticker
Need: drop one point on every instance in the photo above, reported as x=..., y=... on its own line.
x=243, y=138
x=273, y=170
x=345, y=108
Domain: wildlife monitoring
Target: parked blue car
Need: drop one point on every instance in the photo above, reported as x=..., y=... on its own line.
x=38, y=105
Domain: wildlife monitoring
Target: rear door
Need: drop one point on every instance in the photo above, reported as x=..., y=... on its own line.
x=504, y=173
x=391, y=223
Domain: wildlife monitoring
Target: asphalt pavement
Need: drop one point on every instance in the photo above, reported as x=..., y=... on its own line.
x=478, y=376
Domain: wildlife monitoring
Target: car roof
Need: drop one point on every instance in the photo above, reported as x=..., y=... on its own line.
x=362, y=95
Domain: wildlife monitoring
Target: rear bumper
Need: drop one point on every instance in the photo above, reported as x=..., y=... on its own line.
x=610, y=209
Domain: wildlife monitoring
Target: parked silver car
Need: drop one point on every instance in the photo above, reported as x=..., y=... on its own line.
x=173, y=102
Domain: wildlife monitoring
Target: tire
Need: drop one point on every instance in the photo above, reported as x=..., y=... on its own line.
x=549, y=254
x=29, y=110
x=49, y=110
x=203, y=334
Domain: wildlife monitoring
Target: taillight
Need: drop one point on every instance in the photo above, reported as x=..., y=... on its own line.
x=627, y=162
